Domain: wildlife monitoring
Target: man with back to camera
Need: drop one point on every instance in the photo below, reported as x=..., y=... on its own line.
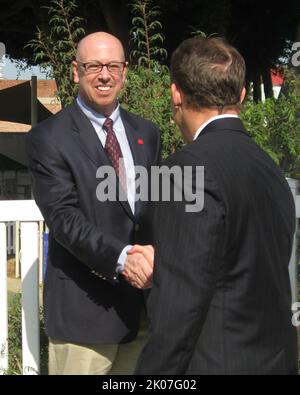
x=90, y=309
x=221, y=300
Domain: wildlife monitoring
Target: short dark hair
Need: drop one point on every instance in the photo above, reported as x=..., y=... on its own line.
x=209, y=71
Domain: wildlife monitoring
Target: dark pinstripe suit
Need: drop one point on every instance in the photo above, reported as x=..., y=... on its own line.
x=221, y=301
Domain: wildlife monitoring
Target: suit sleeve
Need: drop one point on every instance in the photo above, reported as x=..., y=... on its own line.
x=56, y=195
x=187, y=263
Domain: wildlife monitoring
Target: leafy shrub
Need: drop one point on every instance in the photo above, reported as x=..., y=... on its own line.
x=15, y=337
x=274, y=125
x=14, y=334
x=57, y=47
x=147, y=93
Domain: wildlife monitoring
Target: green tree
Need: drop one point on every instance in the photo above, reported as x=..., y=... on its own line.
x=147, y=93
x=57, y=47
x=149, y=79
x=258, y=29
x=274, y=125
x=146, y=34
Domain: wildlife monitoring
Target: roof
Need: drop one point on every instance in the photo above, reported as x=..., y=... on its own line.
x=9, y=164
x=45, y=88
x=15, y=98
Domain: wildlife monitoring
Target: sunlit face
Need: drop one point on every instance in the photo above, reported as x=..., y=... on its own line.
x=99, y=89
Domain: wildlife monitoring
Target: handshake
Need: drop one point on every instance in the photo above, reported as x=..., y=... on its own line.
x=138, y=268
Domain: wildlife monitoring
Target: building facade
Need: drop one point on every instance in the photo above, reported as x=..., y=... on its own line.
x=14, y=175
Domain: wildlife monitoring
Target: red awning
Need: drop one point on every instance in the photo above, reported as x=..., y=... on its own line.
x=277, y=77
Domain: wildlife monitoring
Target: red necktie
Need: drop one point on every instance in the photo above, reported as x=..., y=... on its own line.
x=114, y=153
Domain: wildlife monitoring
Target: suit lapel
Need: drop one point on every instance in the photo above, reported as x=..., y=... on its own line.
x=92, y=147
x=89, y=141
x=138, y=149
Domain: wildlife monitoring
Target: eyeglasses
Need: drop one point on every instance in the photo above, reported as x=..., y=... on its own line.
x=97, y=67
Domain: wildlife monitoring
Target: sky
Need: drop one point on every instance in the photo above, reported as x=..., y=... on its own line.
x=11, y=72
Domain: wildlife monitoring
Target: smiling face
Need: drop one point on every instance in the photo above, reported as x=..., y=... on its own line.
x=99, y=89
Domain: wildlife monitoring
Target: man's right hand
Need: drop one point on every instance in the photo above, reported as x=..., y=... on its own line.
x=138, y=268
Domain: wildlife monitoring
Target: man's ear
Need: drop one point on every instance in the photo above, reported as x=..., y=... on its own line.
x=243, y=95
x=75, y=72
x=124, y=74
x=176, y=95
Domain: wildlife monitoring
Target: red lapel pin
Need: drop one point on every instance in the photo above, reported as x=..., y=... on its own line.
x=140, y=141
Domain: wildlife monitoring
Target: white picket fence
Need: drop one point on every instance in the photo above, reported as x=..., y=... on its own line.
x=29, y=216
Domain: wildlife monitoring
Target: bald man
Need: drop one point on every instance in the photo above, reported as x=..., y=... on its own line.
x=92, y=290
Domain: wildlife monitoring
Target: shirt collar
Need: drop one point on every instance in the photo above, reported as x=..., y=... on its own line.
x=95, y=116
x=203, y=126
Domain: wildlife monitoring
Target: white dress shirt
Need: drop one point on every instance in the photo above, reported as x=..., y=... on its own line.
x=97, y=121
x=211, y=120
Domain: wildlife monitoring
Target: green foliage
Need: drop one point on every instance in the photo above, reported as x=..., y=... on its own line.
x=197, y=32
x=57, y=47
x=150, y=80
x=14, y=335
x=147, y=93
x=274, y=125
x=146, y=33
x=292, y=78
x=15, y=338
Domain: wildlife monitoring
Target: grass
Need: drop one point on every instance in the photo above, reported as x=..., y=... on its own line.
x=15, y=338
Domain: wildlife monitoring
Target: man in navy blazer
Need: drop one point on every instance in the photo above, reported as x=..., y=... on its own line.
x=90, y=307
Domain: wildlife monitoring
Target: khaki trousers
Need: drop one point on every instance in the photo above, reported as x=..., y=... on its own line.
x=98, y=359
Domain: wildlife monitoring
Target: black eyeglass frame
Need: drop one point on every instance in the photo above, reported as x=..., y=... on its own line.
x=101, y=65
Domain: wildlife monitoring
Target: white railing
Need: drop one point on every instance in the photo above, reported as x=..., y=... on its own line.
x=294, y=261
x=30, y=225
x=29, y=216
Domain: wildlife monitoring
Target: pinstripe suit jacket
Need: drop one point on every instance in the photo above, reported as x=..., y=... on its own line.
x=221, y=301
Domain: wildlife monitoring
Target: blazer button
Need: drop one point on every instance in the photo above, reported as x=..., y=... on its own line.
x=136, y=227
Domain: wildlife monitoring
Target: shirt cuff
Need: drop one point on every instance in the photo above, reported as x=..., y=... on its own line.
x=122, y=259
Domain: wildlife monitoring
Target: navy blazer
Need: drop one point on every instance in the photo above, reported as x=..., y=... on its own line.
x=84, y=302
